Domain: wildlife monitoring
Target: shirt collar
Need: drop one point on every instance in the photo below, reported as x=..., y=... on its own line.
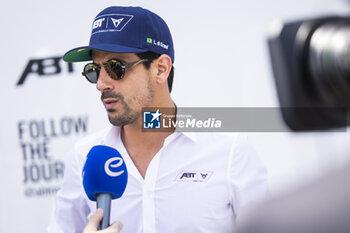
x=190, y=135
x=111, y=137
x=113, y=134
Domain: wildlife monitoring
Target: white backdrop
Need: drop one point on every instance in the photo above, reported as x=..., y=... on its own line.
x=221, y=60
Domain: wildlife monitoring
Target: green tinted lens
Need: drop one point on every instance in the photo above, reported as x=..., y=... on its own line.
x=91, y=72
x=115, y=69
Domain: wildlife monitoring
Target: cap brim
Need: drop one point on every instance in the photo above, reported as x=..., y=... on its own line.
x=84, y=53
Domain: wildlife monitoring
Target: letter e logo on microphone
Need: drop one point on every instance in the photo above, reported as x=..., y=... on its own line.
x=118, y=164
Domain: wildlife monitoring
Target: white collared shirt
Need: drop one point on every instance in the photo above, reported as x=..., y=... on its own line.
x=196, y=183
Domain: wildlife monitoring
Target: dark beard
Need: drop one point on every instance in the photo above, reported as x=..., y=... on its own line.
x=128, y=116
x=124, y=118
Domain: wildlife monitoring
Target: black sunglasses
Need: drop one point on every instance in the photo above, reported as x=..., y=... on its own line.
x=114, y=68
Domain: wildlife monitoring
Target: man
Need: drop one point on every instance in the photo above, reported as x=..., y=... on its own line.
x=177, y=182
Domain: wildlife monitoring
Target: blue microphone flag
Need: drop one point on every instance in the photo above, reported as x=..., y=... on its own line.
x=104, y=172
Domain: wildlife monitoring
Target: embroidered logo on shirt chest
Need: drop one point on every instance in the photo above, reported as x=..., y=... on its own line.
x=194, y=176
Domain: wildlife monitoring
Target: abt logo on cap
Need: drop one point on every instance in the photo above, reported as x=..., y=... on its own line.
x=110, y=23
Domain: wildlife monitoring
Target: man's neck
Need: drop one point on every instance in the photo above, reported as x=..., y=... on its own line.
x=143, y=146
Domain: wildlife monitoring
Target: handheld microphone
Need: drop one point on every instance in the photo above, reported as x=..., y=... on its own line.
x=104, y=178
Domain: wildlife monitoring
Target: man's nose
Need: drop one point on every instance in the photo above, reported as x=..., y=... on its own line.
x=104, y=82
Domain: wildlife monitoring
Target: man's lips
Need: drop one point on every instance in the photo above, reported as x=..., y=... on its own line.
x=109, y=103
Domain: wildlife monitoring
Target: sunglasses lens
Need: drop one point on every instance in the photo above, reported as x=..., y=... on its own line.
x=91, y=72
x=115, y=69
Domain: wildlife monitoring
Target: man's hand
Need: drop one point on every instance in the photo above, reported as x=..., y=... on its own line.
x=96, y=218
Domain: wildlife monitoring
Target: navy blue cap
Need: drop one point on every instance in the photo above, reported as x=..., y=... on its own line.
x=125, y=30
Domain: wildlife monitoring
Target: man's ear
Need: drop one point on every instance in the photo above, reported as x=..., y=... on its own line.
x=163, y=65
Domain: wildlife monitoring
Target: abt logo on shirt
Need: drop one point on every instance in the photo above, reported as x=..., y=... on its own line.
x=194, y=176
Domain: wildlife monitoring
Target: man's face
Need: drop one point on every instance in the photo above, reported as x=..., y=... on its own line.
x=125, y=98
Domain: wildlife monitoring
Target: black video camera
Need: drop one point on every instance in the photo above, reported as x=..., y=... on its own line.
x=311, y=64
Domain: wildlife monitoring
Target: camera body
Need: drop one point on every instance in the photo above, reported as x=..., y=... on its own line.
x=311, y=65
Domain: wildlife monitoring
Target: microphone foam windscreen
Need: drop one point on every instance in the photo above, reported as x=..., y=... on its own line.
x=104, y=172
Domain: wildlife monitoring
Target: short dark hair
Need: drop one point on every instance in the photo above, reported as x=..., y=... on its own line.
x=152, y=56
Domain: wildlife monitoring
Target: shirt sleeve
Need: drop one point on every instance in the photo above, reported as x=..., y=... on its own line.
x=71, y=210
x=248, y=177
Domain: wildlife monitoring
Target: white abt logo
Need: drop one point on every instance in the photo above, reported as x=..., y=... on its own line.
x=110, y=23
x=116, y=22
x=108, y=163
x=194, y=176
x=98, y=23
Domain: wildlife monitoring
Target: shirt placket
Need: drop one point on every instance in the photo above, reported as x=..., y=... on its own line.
x=148, y=195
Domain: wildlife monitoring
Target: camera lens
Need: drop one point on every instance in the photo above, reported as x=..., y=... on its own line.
x=329, y=62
